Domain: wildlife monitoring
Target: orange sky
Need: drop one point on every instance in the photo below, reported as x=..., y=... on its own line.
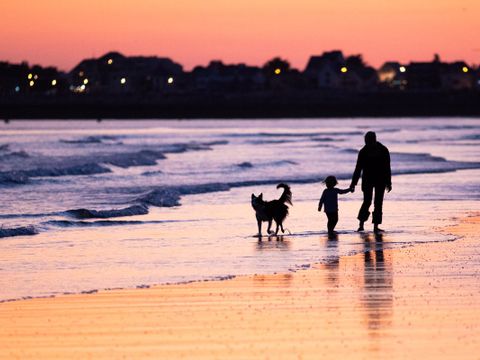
x=62, y=32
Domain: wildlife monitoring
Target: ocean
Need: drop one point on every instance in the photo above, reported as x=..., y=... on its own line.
x=98, y=205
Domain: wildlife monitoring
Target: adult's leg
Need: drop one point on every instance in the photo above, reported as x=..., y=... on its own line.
x=378, y=204
x=364, y=212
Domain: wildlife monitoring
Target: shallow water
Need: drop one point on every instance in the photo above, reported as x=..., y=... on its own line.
x=48, y=169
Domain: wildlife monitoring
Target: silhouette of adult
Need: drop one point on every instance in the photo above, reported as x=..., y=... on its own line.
x=373, y=163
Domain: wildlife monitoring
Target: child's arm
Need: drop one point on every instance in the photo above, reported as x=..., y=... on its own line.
x=320, y=204
x=344, y=191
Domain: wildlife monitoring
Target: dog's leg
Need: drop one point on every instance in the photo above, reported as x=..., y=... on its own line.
x=269, y=230
x=276, y=230
x=259, y=223
x=281, y=227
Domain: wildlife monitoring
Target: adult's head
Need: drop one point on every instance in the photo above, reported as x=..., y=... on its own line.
x=370, y=138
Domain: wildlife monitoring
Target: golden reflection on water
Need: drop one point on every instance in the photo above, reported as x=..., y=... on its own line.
x=377, y=291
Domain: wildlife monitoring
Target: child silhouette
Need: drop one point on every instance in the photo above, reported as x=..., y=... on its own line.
x=329, y=201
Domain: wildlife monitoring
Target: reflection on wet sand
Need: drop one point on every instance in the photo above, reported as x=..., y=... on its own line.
x=340, y=310
x=377, y=294
x=333, y=262
x=273, y=242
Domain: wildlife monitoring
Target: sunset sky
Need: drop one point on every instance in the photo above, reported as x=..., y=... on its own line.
x=62, y=32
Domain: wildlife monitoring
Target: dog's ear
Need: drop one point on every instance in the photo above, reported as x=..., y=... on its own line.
x=260, y=196
x=253, y=196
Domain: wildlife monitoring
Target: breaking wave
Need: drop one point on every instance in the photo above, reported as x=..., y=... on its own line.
x=270, y=142
x=305, y=134
x=245, y=165
x=170, y=196
x=249, y=165
x=69, y=223
x=19, y=231
x=94, y=139
x=94, y=164
x=105, y=214
x=152, y=173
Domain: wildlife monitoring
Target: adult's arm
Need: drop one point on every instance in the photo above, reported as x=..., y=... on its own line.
x=388, y=169
x=358, y=169
x=344, y=191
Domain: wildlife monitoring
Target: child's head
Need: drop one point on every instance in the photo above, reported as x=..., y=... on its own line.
x=330, y=181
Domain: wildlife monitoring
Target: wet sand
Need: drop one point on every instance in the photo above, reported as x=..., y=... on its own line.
x=417, y=302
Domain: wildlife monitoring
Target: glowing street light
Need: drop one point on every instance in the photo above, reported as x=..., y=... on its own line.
x=30, y=76
x=170, y=80
x=278, y=71
x=344, y=69
x=31, y=83
x=54, y=82
x=35, y=77
x=402, y=69
x=123, y=81
x=465, y=69
x=110, y=61
x=85, y=81
x=17, y=88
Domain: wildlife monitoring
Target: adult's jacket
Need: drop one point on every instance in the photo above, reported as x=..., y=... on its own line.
x=373, y=163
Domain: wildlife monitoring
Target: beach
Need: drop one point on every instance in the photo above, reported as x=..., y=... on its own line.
x=413, y=302
x=137, y=240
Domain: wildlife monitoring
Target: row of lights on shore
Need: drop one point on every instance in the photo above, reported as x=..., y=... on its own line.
x=123, y=81
x=344, y=69
x=32, y=77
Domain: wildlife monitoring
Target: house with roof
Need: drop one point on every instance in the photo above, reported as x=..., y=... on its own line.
x=439, y=76
x=393, y=74
x=23, y=79
x=217, y=76
x=457, y=76
x=332, y=70
x=115, y=73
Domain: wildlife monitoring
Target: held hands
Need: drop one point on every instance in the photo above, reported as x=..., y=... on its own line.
x=388, y=187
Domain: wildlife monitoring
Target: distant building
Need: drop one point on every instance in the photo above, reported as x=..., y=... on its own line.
x=324, y=71
x=437, y=75
x=332, y=70
x=457, y=76
x=22, y=79
x=218, y=76
x=13, y=78
x=477, y=78
x=115, y=73
x=393, y=75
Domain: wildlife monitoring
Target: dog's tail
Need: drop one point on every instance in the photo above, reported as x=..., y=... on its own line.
x=287, y=193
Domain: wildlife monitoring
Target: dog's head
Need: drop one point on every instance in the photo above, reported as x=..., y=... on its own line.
x=257, y=201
